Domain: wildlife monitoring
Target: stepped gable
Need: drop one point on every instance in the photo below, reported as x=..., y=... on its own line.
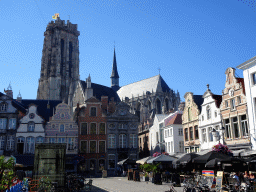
x=155, y=83
x=100, y=90
x=198, y=99
x=42, y=109
x=218, y=99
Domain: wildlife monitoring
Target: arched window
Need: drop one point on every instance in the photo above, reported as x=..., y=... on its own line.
x=158, y=106
x=208, y=111
x=166, y=104
x=30, y=144
x=62, y=128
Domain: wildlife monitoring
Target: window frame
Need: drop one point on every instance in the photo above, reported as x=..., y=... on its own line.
x=12, y=121
x=100, y=128
x=62, y=126
x=104, y=146
x=92, y=115
x=237, y=128
x=244, y=122
x=30, y=146
x=86, y=147
x=122, y=140
x=208, y=112
x=253, y=78
x=3, y=107
x=81, y=126
x=91, y=128
x=90, y=146
x=30, y=123
x=3, y=124
x=133, y=141
x=112, y=141
x=2, y=142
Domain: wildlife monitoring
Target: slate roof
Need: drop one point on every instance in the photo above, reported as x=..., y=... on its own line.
x=160, y=117
x=1, y=94
x=218, y=99
x=19, y=106
x=155, y=83
x=100, y=90
x=42, y=106
x=198, y=99
x=92, y=99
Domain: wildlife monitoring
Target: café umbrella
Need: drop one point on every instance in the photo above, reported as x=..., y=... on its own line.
x=187, y=158
x=161, y=158
x=209, y=156
x=144, y=160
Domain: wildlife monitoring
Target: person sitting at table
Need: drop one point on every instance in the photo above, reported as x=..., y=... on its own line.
x=251, y=176
x=246, y=175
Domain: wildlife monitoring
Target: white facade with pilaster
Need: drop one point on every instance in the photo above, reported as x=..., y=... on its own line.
x=249, y=73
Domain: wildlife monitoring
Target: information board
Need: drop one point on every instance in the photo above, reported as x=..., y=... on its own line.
x=219, y=179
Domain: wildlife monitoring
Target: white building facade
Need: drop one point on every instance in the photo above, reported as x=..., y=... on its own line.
x=30, y=131
x=249, y=73
x=156, y=135
x=210, y=120
x=173, y=133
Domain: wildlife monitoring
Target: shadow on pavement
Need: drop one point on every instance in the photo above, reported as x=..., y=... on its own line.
x=95, y=189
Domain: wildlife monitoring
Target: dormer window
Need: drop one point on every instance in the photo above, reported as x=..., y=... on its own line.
x=31, y=126
x=3, y=107
x=93, y=112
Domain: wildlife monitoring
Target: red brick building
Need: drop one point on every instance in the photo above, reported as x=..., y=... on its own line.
x=92, y=119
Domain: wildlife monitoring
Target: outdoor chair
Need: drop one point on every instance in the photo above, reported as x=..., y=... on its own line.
x=88, y=186
x=233, y=183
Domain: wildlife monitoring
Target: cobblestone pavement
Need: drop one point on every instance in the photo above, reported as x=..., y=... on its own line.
x=121, y=184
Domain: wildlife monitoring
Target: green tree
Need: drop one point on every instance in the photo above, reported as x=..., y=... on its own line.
x=6, y=173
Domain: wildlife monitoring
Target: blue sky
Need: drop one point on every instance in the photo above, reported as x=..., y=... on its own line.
x=193, y=42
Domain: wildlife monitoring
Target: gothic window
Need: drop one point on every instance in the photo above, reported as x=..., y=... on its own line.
x=208, y=112
x=70, y=58
x=3, y=123
x=2, y=142
x=83, y=128
x=30, y=144
x=92, y=146
x=62, y=128
x=39, y=140
x=133, y=140
x=236, y=128
x=3, y=106
x=227, y=129
x=93, y=112
x=83, y=148
x=93, y=128
x=245, y=131
x=31, y=126
x=158, y=106
x=111, y=141
x=20, y=145
x=101, y=146
x=12, y=123
x=61, y=140
x=102, y=128
x=166, y=104
x=122, y=141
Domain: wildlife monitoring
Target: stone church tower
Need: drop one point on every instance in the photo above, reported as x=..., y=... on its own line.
x=60, y=61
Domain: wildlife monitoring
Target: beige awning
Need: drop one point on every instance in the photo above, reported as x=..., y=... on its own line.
x=144, y=160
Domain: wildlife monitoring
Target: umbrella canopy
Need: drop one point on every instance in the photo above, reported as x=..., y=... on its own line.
x=213, y=162
x=161, y=158
x=122, y=162
x=144, y=160
x=209, y=156
x=186, y=158
x=251, y=160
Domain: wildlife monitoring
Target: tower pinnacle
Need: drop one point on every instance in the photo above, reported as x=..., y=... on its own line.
x=114, y=76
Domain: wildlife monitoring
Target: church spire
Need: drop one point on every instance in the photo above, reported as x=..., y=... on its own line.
x=114, y=76
x=114, y=68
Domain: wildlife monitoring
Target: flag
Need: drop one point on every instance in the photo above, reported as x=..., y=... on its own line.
x=55, y=16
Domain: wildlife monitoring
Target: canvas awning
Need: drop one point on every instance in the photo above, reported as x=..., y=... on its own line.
x=144, y=160
x=161, y=158
x=122, y=162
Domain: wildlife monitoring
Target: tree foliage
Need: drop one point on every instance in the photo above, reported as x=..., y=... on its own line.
x=6, y=172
